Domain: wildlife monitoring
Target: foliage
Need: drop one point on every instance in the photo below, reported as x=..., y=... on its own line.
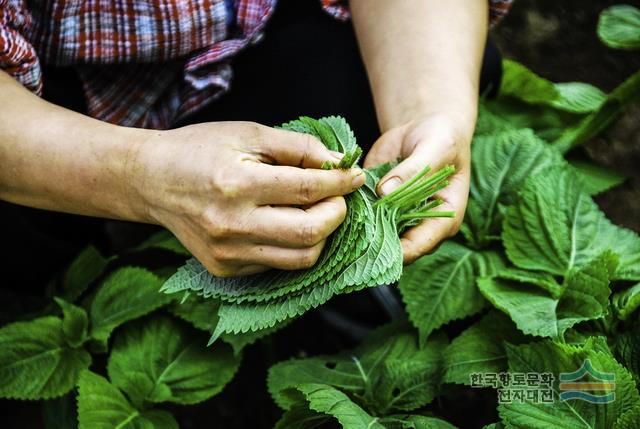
x=537, y=281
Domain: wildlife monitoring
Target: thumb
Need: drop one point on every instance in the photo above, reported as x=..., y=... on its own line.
x=404, y=171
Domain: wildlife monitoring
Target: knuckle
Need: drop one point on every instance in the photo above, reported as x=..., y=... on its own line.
x=309, y=234
x=308, y=191
x=217, y=228
x=311, y=143
x=231, y=186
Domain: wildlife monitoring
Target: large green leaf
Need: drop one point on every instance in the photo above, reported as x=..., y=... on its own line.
x=523, y=84
x=501, y=163
x=584, y=296
x=328, y=400
x=619, y=27
x=627, y=93
x=300, y=416
x=439, y=288
x=161, y=360
x=573, y=413
x=36, y=361
x=480, y=349
x=555, y=226
x=596, y=179
x=102, y=406
x=387, y=373
x=125, y=295
x=83, y=271
x=509, y=114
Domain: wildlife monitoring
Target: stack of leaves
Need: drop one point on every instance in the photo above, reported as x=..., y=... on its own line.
x=364, y=251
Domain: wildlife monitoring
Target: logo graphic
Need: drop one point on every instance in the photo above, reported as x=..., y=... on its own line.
x=593, y=381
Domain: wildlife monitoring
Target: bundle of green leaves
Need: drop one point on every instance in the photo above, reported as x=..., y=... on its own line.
x=364, y=251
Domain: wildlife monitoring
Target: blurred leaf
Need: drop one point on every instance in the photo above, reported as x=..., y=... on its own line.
x=596, y=178
x=626, y=302
x=574, y=97
x=628, y=92
x=164, y=240
x=619, y=27
x=83, y=271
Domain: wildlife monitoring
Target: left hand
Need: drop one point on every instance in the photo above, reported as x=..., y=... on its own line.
x=436, y=140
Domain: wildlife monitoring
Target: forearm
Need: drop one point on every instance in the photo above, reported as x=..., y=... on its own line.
x=56, y=159
x=422, y=56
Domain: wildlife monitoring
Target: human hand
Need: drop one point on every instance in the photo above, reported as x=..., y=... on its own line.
x=437, y=140
x=229, y=192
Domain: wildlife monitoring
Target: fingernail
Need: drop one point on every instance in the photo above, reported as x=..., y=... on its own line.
x=358, y=177
x=390, y=185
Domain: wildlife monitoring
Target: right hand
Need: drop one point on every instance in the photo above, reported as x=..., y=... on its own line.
x=229, y=191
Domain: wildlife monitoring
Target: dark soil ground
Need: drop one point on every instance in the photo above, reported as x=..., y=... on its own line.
x=557, y=39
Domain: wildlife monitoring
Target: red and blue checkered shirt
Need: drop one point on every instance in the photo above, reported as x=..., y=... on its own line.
x=142, y=63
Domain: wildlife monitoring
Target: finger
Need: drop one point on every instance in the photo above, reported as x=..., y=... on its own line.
x=232, y=269
x=296, y=150
x=290, y=185
x=298, y=228
x=284, y=258
x=247, y=270
x=426, y=236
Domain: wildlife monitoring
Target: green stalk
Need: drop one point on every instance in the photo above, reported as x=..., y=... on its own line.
x=400, y=189
x=425, y=215
x=410, y=191
x=424, y=189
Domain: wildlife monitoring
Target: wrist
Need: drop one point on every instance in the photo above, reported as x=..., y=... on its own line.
x=460, y=104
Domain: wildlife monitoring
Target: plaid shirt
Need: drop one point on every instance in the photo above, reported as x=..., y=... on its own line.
x=142, y=63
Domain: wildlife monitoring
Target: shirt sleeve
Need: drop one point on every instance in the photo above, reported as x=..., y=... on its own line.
x=339, y=9
x=18, y=57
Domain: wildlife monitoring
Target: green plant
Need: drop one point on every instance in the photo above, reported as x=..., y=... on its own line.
x=538, y=281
